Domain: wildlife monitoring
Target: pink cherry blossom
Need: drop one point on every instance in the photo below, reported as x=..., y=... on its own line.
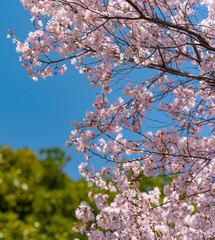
x=159, y=122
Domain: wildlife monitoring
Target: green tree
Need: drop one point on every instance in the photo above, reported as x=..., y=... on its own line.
x=37, y=200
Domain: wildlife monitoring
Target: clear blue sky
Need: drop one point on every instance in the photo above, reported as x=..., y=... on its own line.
x=37, y=114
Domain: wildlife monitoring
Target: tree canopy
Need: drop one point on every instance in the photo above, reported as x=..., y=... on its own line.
x=37, y=200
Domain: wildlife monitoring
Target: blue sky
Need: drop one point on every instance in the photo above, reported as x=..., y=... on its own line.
x=37, y=114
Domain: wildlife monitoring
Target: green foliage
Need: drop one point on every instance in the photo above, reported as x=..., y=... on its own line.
x=37, y=201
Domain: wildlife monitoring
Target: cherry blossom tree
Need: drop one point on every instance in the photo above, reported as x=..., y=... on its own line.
x=158, y=123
